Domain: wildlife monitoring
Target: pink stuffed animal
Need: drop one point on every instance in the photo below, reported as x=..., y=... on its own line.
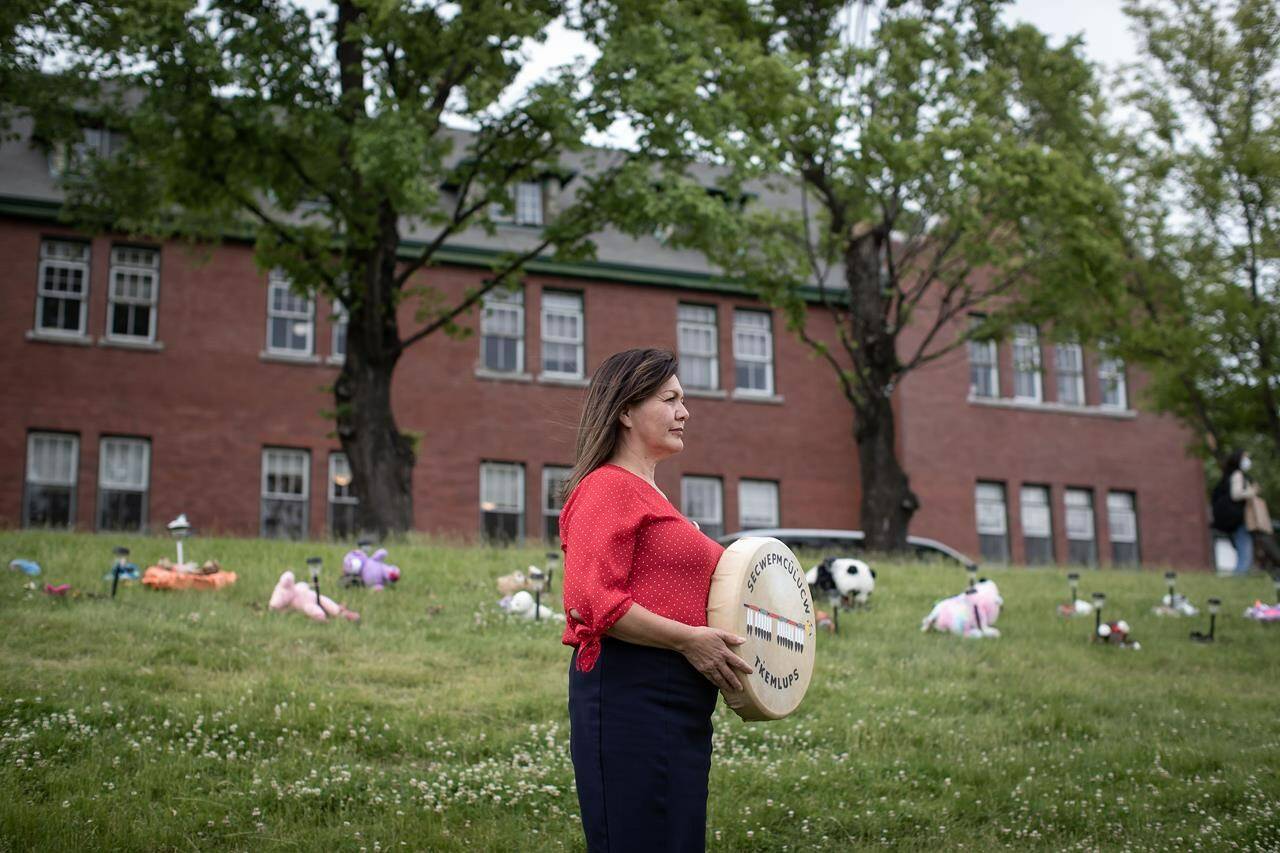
x=298, y=595
x=972, y=613
x=371, y=571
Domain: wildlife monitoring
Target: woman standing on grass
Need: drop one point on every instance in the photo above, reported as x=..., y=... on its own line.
x=645, y=667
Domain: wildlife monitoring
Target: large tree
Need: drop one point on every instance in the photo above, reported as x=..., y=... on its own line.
x=940, y=161
x=320, y=133
x=1201, y=116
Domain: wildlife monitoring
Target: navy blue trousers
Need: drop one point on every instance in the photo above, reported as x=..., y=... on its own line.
x=640, y=736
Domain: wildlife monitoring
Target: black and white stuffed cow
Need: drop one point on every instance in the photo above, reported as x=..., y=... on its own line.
x=853, y=580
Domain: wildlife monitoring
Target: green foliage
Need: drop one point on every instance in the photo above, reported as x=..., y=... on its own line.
x=201, y=720
x=1201, y=163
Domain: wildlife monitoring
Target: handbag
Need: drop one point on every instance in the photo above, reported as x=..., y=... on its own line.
x=1256, y=517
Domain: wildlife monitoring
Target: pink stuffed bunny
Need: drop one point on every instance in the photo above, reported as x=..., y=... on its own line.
x=972, y=613
x=299, y=595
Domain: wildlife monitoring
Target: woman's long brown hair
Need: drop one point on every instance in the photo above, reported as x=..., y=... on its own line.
x=622, y=381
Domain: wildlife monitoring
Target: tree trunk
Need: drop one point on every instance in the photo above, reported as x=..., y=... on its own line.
x=887, y=500
x=381, y=458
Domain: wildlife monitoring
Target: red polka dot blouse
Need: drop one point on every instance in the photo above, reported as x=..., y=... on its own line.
x=624, y=542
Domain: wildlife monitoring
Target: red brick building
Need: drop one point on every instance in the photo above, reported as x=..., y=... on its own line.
x=145, y=380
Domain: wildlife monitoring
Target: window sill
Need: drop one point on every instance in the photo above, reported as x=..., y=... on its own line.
x=502, y=376
x=706, y=393
x=141, y=346
x=1054, y=408
x=566, y=381
x=282, y=358
x=748, y=397
x=76, y=340
x=335, y=360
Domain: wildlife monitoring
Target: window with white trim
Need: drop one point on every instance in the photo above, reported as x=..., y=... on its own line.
x=698, y=342
x=553, y=479
x=290, y=319
x=562, y=335
x=342, y=501
x=757, y=504
x=63, y=291
x=984, y=365
x=753, y=351
x=1081, y=538
x=286, y=486
x=501, y=502
x=1122, y=525
x=1037, y=525
x=339, y=323
x=1111, y=377
x=49, y=499
x=1026, y=364
x=1068, y=363
x=502, y=331
x=525, y=205
x=68, y=159
x=993, y=522
x=132, y=293
x=124, y=475
x=702, y=501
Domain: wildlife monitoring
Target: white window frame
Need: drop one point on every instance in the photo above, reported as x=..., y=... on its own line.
x=497, y=302
x=1035, y=507
x=753, y=493
x=338, y=461
x=339, y=331
x=108, y=482
x=529, y=202
x=988, y=496
x=562, y=304
x=693, y=322
x=1068, y=364
x=1026, y=362
x=66, y=475
x=64, y=159
x=53, y=256
x=552, y=476
x=278, y=283
x=708, y=521
x=491, y=502
x=278, y=455
x=984, y=356
x=1076, y=512
x=748, y=323
x=126, y=261
x=1111, y=379
x=1127, y=536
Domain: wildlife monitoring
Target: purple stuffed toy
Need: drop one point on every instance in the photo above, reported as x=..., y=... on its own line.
x=369, y=570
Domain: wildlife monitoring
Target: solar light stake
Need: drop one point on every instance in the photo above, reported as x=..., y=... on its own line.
x=122, y=554
x=1099, y=601
x=179, y=529
x=553, y=560
x=1215, y=604
x=835, y=611
x=1170, y=578
x=537, y=579
x=1073, y=581
x=314, y=563
x=972, y=572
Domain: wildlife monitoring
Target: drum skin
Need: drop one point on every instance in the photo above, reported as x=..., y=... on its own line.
x=758, y=591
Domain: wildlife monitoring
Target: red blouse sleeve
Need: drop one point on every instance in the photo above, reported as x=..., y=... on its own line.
x=598, y=530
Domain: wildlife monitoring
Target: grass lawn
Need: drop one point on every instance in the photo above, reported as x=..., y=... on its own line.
x=198, y=720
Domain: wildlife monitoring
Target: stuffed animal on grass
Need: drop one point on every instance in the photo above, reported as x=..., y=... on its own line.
x=30, y=568
x=1079, y=607
x=1116, y=634
x=370, y=570
x=1263, y=612
x=298, y=595
x=972, y=613
x=1175, y=605
x=853, y=580
x=516, y=581
x=523, y=604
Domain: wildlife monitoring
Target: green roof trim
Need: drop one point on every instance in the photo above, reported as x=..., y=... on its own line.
x=484, y=257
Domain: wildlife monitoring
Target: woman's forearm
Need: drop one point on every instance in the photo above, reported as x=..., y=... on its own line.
x=643, y=627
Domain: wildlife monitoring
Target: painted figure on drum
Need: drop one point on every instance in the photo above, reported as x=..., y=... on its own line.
x=646, y=667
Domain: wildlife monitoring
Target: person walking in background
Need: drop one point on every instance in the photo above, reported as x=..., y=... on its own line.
x=1229, y=497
